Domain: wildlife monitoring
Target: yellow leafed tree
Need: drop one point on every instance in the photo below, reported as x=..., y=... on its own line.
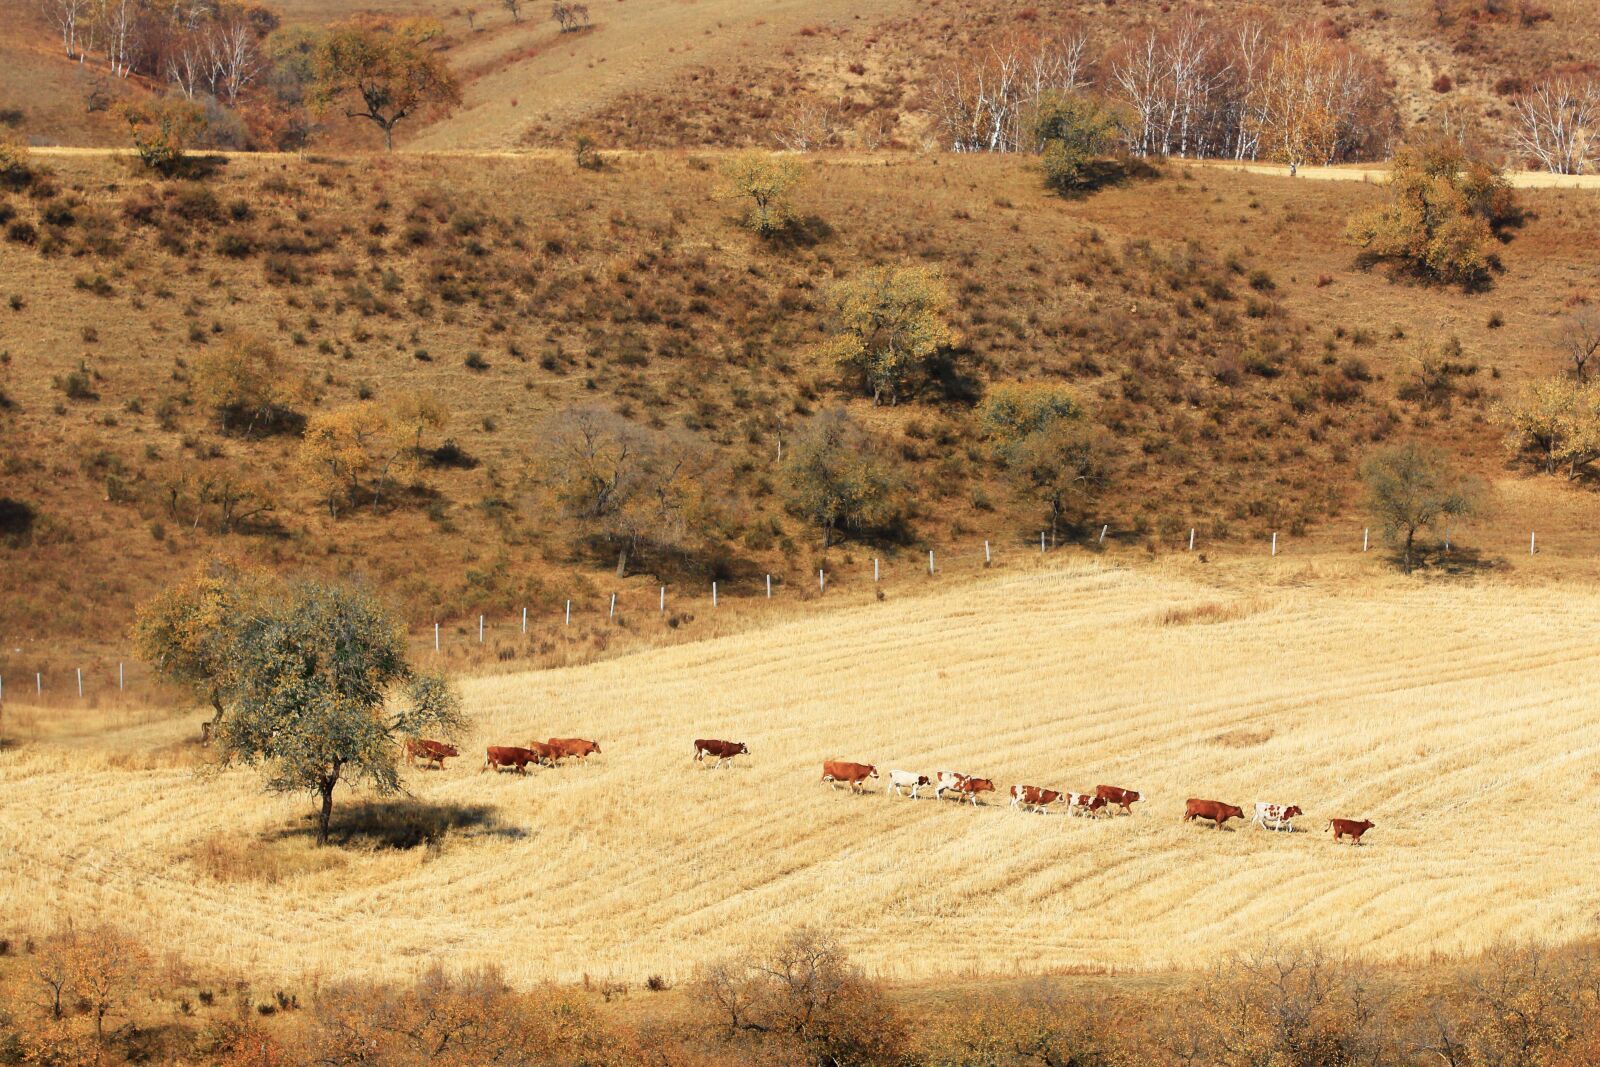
x=888, y=322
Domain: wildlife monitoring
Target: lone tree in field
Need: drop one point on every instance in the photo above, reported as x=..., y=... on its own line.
x=163, y=130
x=190, y=632
x=835, y=478
x=383, y=72
x=1411, y=488
x=889, y=322
x=324, y=695
x=1073, y=131
x=765, y=182
x=356, y=450
x=1444, y=215
x=1052, y=454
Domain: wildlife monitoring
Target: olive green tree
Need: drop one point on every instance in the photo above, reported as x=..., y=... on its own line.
x=325, y=694
x=1410, y=488
x=835, y=478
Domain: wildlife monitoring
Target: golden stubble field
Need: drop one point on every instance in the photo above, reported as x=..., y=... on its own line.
x=1459, y=717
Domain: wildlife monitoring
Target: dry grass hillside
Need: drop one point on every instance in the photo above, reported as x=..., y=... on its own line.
x=1214, y=321
x=661, y=73
x=1456, y=717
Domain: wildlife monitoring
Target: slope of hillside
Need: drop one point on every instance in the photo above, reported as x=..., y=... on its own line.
x=1243, y=378
x=1442, y=714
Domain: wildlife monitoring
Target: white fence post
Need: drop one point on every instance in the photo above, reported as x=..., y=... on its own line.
x=930, y=561
x=569, y=613
x=1103, y=530
x=1041, y=542
x=986, y=558
x=613, y=606
x=1447, y=538
x=480, y=629
x=38, y=683
x=822, y=581
x=713, y=594
x=1365, y=531
x=436, y=637
x=120, y=678
x=80, y=683
x=663, y=606
x=1274, y=542
x=1533, y=542
x=524, y=620
x=1191, y=539
x=769, y=587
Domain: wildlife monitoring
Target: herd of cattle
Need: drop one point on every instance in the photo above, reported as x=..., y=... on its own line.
x=1032, y=798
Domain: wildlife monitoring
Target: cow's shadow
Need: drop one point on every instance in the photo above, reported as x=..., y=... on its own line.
x=405, y=824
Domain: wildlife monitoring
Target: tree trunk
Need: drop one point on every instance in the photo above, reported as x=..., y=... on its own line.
x=388, y=137
x=209, y=730
x=326, y=815
x=1411, y=536
x=622, y=560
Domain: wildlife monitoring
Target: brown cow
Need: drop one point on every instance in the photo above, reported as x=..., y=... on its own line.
x=1122, y=798
x=434, y=753
x=576, y=747
x=854, y=774
x=515, y=758
x=1350, y=828
x=1215, y=810
x=1034, y=797
x=723, y=750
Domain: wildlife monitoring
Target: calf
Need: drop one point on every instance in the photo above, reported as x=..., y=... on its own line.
x=1276, y=816
x=1215, y=810
x=1084, y=804
x=1350, y=828
x=1035, y=797
x=434, y=753
x=1122, y=798
x=722, y=750
x=515, y=758
x=853, y=774
x=576, y=747
x=899, y=780
x=964, y=784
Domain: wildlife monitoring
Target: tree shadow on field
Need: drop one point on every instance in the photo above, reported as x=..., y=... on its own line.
x=1456, y=562
x=1110, y=173
x=403, y=824
x=806, y=232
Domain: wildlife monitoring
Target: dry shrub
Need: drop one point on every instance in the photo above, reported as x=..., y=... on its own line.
x=1209, y=613
x=227, y=858
x=1242, y=738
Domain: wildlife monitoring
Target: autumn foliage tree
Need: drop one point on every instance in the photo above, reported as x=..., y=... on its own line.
x=887, y=323
x=383, y=72
x=245, y=383
x=1053, y=455
x=163, y=130
x=355, y=452
x=764, y=182
x=189, y=632
x=1556, y=420
x=1444, y=212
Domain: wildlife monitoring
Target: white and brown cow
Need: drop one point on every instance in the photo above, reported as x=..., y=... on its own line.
x=1034, y=798
x=899, y=780
x=964, y=785
x=1085, y=804
x=1276, y=816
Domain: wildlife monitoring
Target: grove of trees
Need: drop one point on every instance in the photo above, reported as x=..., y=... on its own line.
x=1245, y=87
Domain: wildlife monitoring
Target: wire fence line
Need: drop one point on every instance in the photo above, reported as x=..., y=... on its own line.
x=664, y=601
